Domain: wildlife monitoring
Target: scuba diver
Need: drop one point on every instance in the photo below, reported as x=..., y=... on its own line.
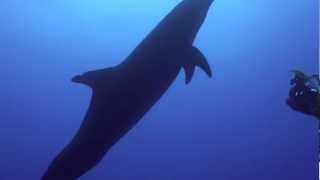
x=304, y=96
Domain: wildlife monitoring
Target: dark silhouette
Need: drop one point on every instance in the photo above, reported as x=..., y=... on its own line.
x=304, y=96
x=121, y=95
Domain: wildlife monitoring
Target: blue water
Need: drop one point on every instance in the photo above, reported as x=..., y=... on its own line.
x=233, y=126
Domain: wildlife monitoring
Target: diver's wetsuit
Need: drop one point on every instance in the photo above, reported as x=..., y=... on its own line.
x=304, y=98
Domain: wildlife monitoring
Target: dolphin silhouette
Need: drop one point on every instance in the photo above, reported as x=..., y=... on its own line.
x=121, y=95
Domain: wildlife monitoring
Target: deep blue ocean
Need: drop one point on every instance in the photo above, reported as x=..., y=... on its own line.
x=235, y=126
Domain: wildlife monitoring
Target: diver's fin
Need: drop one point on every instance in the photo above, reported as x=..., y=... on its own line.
x=315, y=76
x=193, y=57
x=94, y=78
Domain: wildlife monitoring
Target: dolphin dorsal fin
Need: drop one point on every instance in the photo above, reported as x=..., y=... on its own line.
x=95, y=78
x=193, y=57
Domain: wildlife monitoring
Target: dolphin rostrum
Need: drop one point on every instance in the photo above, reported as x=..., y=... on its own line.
x=121, y=95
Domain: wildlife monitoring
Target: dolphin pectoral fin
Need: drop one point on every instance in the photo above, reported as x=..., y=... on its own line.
x=193, y=57
x=189, y=71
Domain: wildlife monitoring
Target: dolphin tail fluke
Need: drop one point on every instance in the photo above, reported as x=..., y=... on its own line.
x=194, y=58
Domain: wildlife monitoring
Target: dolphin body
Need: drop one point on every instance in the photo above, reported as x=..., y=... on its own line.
x=121, y=95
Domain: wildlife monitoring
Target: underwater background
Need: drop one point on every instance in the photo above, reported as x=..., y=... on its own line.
x=233, y=126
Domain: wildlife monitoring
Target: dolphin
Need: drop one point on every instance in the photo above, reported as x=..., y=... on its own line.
x=122, y=94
